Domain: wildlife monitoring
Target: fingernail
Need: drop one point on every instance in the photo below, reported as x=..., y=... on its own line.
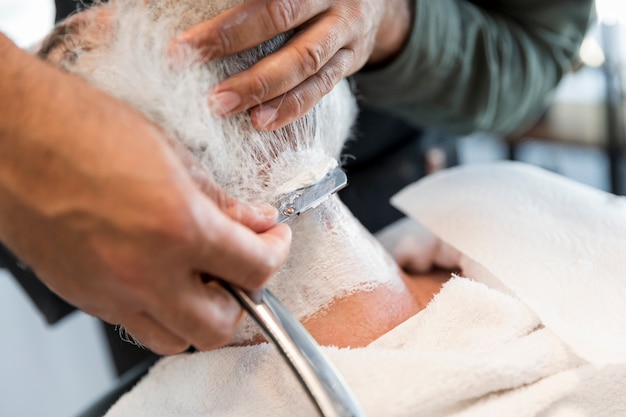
x=265, y=210
x=265, y=116
x=224, y=102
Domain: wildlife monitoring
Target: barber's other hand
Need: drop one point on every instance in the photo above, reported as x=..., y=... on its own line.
x=97, y=203
x=333, y=39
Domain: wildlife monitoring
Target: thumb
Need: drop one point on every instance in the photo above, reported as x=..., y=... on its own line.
x=257, y=217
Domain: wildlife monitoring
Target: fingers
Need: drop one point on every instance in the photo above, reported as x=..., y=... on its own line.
x=258, y=218
x=333, y=39
x=129, y=309
x=240, y=256
x=248, y=25
x=187, y=311
x=205, y=315
x=142, y=329
x=278, y=112
x=306, y=54
x=192, y=313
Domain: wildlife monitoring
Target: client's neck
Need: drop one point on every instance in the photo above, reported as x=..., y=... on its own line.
x=339, y=281
x=362, y=317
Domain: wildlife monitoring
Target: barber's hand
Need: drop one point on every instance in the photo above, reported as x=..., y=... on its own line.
x=333, y=39
x=98, y=204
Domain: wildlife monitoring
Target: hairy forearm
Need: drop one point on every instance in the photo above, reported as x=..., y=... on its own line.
x=468, y=67
x=61, y=142
x=94, y=199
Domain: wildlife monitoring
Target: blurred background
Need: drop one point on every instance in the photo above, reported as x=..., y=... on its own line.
x=582, y=134
x=59, y=370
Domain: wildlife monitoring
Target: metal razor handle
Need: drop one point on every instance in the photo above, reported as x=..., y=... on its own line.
x=317, y=375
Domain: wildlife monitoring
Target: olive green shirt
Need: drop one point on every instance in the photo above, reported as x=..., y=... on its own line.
x=478, y=65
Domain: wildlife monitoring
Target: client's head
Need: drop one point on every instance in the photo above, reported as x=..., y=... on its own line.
x=123, y=49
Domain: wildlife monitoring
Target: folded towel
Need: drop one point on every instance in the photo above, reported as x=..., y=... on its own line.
x=557, y=245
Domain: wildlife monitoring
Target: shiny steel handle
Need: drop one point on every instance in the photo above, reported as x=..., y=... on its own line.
x=317, y=375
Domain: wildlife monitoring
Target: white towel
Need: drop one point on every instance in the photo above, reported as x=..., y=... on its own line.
x=474, y=351
x=557, y=245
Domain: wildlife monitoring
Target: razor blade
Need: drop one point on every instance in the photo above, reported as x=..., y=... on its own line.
x=303, y=199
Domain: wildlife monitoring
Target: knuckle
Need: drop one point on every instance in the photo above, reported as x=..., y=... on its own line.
x=298, y=102
x=255, y=281
x=345, y=62
x=223, y=44
x=272, y=263
x=348, y=18
x=327, y=78
x=357, y=12
x=261, y=274
x=220, y=318
x=260, y=87
x=173, y=222
x=311, y=58
x=222, y=331
x=282, y=14
x=177, y=233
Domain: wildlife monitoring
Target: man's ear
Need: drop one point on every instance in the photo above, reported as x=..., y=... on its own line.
x=80, y=32
x=56, y=40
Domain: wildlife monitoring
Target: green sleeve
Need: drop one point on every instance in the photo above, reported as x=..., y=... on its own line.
x=469, y=66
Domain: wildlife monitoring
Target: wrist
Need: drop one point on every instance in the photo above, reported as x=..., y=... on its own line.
x=393, y=32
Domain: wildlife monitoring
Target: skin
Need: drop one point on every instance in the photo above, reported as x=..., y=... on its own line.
x=122, y=235
x=361, y=318
x=333, y=39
